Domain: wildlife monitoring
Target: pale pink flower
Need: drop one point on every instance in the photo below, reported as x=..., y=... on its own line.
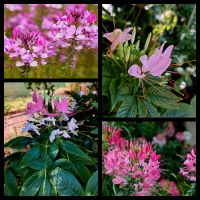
x=189, y=168
x=155, y=65
x=170, y=187
x=180, y=136
x=159, y=139
x=118, y=36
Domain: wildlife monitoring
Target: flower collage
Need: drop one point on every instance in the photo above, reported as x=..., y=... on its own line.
x=100, y=100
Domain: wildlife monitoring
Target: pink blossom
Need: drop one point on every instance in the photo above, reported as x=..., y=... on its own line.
x=118, y=36
x=159, y=139
x=136, y=160
x=180, y=136
x=39, y=107
x=62, y=107
x=189, y=168
x=155, y=65
x=26, y=47
x=170, y=187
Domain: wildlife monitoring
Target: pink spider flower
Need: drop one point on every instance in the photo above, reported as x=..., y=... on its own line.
x=28, y=48
x=118, y=36
x=39, y=107
x=155, y=65
x=170, y=187
x=133, y=164
x=189, y=168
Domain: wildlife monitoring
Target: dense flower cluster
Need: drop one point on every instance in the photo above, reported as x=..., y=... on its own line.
x=133, y=164
x=26, y=47
x=42, y=118
x=189, y=169
x=57, y=34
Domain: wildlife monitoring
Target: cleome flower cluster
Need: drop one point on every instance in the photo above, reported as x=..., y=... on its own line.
x=42, y=118
x=135, y=167
x=56, y=34
x=132, y=164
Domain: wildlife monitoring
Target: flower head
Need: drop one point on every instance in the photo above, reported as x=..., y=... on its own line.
x=118, y=36
x=155, y=65
x=133, y=164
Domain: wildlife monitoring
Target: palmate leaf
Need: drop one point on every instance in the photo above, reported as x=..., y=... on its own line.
x=73, y=149
x=92, y=185
x=65, y=183
x=32, y=185
x=18, y=142
x=162, y=97
x=114, y=93
x=128, y=107
x=183, y=110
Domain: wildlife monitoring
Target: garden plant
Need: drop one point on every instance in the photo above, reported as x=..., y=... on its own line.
x=58, y=157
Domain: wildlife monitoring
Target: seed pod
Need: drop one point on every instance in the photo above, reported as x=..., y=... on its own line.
x=137, y=45
x=133, y=35
x=125, y=46
x=147, y=41
x=120, y=51
x=127, y=54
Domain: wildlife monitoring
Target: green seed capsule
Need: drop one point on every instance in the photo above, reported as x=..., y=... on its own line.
x=137, y=45
x=133, y=35
x=127, y=54
x=147, y=41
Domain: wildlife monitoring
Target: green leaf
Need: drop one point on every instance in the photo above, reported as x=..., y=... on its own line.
x=182, y=110
x=162, y=97
x=115, y=93
x=47, y=188
x=30, y=156
x=142, y=108
x=53, y=150
x=128, y=107
x=18, y=142
x=82, y=172
x=151, y=110
x=94, y=131
x=106, y=84
x=72, y=148
x=32, y=185
x=10, y=183
x=92, y=185
x=65, y=183
x=66, y=164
